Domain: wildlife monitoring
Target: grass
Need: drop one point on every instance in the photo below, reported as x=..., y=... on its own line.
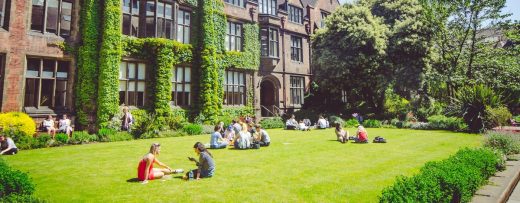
x=297, y=167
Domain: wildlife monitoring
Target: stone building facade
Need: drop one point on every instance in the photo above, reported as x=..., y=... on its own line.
x=37, y=76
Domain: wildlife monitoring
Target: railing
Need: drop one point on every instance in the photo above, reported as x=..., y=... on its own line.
x=271, y=111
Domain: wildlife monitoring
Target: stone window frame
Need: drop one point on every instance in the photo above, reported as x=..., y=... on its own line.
x=136, y=80
x=59, y=21
x=297, y=89
x=185, y=83
x=268, y=7
x=55, y=77
x=271, y=43
x=323, y=16
x=236, y=92
x=239, y=3
x=296, y=48
x=295, y=14
x=234, y=40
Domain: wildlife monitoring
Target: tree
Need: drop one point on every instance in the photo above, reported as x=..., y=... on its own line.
x=347, y=56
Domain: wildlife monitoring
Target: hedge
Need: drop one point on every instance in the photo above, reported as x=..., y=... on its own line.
x=13, y=182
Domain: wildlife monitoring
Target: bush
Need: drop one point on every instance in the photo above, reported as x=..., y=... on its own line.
x=62, y=138
x=43, y=141
x=145, y=125
x=192, y=129
x=455, y=179
x=208, y=129
x=20, y=198
x=507, y=143
x=351, y=123
x=175, y=122
x=497, y=117
x=473, y=102
x=441, y=122
x=336, y=119
x=370, y=123
x=17, y=121
x=119, y=136
x=270, y=123
x=104, y=133
x=14, y=182
x=310, y=114
x=395, y=106
x=420, y=126
x=81, y=137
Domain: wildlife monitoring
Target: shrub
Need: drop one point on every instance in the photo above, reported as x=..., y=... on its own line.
x=507, y=143
x=43, y=140
x=175, y=122
x=351, y=123
x=145, y=125
x=496, y=117
x=192, y=129
x=336, y=119
x=455, y=179
x=395, y=106
x=310, y=114
x=170, y=133
x=441, y=122
x=104, y=133
x=62, y=138
x=420, y=126
x=208, y=129
x=14, y=181
x=371, y=123
x=15, y=198
x=473, y=102
x=270, y=123
x=119, y=136
x=17, y=121
x=81, y=137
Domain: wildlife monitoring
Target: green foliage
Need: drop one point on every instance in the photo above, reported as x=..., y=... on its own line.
x=249, y=57
x=507, y=143
x=370, y=123
x=455, y=179
x=88, y=60
x=104, y=134
x=19, y=122
x=16, y=198
x=14, y=182
x=236, y=112
x=270, y=123
x=351, y=123
x=119, y=136
x=310, y=114
x=192, y=129
x=473, y=102
x=496, y=117
x=43, y=141
x=62, y=138
x=395, y=105
x=441, y=122
x=109, y=59
x=82, y=137
x=335, y=119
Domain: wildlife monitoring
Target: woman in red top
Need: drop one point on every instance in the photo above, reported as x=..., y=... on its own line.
x=362, y=136
x=145, y=170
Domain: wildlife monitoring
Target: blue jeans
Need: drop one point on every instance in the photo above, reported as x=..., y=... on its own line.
x=221, y=145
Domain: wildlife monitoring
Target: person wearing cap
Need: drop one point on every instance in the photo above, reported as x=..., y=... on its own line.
x=145, y=169
x=361, y=133
x=7, y=146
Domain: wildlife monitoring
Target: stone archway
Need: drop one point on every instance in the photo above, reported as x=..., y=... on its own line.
x=268, y=98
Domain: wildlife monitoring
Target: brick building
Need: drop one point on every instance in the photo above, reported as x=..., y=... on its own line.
x=37, y=76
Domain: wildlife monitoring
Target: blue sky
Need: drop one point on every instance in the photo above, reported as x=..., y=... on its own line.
x=512, y=6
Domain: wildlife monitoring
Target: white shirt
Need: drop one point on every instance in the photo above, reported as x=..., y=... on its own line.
x=322, y=123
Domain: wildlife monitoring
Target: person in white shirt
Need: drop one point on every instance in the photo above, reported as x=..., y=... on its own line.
x=48, y=124
x=64, y=125
x=7, y=146
x=302, y=126
x=291, y=124
x=322, y=123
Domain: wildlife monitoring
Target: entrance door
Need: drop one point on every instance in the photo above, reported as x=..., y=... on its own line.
x=268, y=100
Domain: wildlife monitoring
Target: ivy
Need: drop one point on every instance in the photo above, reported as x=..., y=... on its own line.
x=86, y=84
x=109, y=60
x=249, y=58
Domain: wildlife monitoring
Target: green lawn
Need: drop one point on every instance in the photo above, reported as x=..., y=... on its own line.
x=297, y=167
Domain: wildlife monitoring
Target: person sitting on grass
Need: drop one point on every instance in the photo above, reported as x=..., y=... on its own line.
x=7, y=146
x=146, y=171
x=322, y=123
x=242, y=139
x=302, y=126
x=341, y=135
x=291, y=124
x=229, y=134
x=64, y=125
x=216, y=137
x=261, y=136
x=206, y=164
x=361, y=135
x=48, y=125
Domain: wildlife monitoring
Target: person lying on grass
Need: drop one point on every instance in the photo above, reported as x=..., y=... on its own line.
x=341, y=134
x=362, y=136
x=217, y=141
x=146, y=171
x=206, y=165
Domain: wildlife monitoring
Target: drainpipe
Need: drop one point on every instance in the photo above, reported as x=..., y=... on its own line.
x=282, y=32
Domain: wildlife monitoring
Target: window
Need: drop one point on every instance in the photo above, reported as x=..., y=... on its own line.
x=344, y=96
x=323, y=16
x=181, y=87
x=234, y=37
x=239, y=3
x=165, y=24
x=234, y=88
x=297, y=90
x=131, y=17
x=183, y=26
x=150, y=18
x=4, y=13
x=295, y=14
x=296, y=49
x=269, y=42
x=52, y=16
x=46, y=83
x=267, y=6
x=132, y=83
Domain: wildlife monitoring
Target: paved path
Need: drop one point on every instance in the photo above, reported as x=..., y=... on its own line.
x=500, y=186
x=515, y=196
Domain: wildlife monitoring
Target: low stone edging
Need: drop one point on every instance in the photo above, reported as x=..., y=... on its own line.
x=500, y=186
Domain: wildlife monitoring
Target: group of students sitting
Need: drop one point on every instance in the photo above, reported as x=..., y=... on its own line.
x=305, y=124
x=64, y=125
x=240, y=135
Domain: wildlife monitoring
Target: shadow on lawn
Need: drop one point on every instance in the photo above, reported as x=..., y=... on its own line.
x=135, y=180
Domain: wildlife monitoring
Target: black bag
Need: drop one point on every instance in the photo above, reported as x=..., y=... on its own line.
x=255, y=145
x=379, y=140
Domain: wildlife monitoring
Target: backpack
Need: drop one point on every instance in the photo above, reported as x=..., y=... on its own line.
x=255, y=145
x=379, y=139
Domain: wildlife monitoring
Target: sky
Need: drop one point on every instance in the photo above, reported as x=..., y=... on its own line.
x=512, y=6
